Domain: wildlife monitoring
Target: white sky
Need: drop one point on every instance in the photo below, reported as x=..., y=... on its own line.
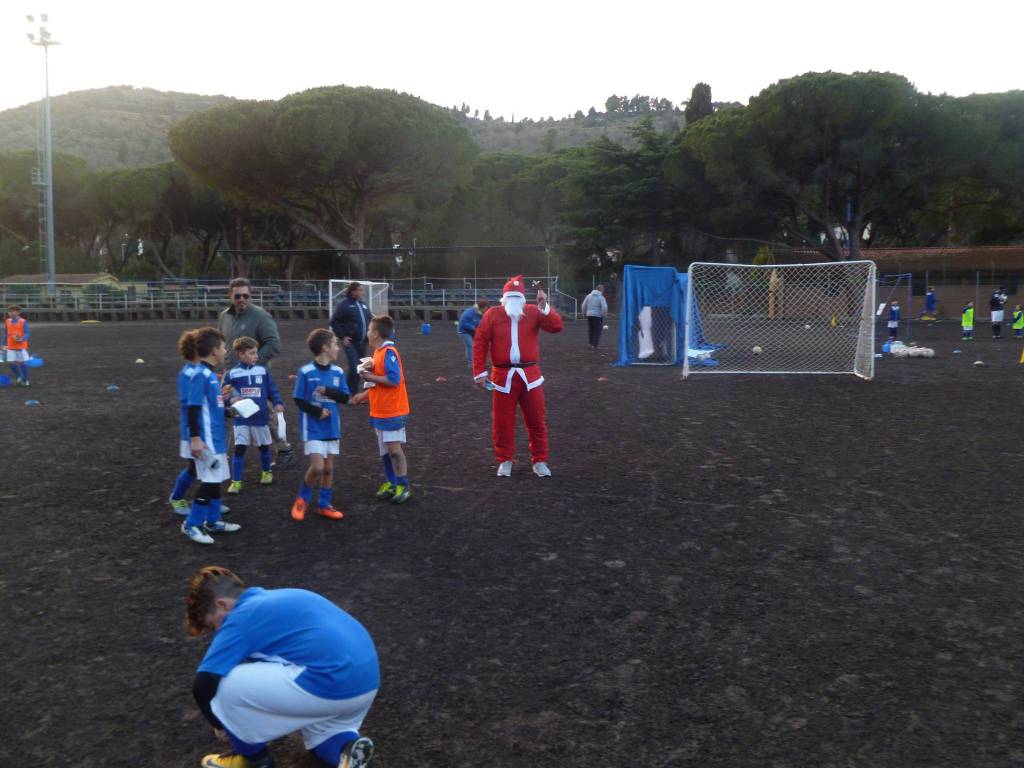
x=527, y=58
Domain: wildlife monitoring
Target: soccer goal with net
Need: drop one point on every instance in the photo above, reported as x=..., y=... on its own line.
x=791, y=318
x=376, y=297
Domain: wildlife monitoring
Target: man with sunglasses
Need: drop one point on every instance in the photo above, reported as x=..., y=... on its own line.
x=243, y=318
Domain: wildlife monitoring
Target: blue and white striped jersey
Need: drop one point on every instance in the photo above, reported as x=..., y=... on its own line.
x=205, y=392
x=255, y=383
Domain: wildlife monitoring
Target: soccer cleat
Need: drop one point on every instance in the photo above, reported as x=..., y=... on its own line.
x=330, y=513
x=540, y=469
x=234, y=760
x=356, y=754
x=402, y=494
x=221, y=527
x=505, y=469
x=180, y=506
x=267, y=478
x=235, y=486
x=197, y=534
x=386, y=490
x=24, y=383
x=299, y=509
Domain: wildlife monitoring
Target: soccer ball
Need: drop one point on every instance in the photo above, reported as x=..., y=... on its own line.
x=807, y=327
x=757, y=350
x=978, y=363
x=606, y=328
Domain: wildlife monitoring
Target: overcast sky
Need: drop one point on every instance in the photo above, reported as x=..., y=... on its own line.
x=527, y=58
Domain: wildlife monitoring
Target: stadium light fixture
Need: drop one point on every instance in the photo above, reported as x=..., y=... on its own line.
x=44, y=41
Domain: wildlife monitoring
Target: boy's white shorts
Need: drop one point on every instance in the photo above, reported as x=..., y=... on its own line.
x=389, y=436
x=260, y=702
x=212, y=467
x=997, y=315
x=17, y=355
x=323, y=447
x=246, y=435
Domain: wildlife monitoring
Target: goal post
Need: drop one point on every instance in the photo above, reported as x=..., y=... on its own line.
x=782, y=318
x=376, y=297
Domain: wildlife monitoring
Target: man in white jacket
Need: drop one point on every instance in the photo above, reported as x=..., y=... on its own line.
x=595, y=308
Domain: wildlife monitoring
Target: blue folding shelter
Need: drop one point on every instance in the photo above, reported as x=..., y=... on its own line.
x=656, y=287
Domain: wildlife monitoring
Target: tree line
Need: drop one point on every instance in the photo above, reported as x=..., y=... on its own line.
x=839, y=163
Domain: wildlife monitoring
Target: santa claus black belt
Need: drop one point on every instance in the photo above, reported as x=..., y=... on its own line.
x=517, y=365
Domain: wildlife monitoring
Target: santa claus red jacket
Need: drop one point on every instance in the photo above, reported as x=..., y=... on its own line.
x=513, y=346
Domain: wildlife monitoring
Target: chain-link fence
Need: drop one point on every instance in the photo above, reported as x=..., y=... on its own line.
x=796, y=318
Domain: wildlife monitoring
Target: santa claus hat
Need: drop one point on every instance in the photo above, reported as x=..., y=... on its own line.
x=514, y=287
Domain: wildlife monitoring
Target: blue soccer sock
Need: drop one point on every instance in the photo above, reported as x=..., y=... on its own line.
x=237, y=467
x=403, y=480
x=181, y=485
x=305, y=493
x=330, y=751
x=389, y=468
x=325, y=496
x=197, y=513
x=213, y=512
x=266, y=457
x=251, y=751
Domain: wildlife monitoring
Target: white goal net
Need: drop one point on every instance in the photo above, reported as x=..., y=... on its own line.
x=792, y=318
x=376, y=297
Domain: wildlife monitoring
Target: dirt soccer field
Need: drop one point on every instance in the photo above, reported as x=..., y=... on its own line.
x=788, y=571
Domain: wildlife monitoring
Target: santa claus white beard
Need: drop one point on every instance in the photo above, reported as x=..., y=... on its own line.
x=514, y=306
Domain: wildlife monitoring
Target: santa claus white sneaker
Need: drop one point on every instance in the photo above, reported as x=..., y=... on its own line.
x=505, y=469
x=540, y=469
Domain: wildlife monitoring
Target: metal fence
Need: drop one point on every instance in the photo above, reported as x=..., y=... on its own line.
x=417, y=292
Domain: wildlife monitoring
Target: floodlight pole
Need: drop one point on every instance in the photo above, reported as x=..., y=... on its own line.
x=44, y=42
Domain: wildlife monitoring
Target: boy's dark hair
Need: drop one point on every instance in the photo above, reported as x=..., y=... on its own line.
x=352, y=288
x=206, y=586
x=239, y=282
x=384, y=325
x=14, y=308
x=319, y=339
x=242, y=343
x=187, y=345
x=207, y=340
x=481, y=303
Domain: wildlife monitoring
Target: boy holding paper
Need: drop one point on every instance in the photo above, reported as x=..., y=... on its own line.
x=251, y=381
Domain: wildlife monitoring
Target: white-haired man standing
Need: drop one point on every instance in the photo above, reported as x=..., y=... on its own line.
x=509, y=334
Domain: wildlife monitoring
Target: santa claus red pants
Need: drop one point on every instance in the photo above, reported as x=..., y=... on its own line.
x=503, y=421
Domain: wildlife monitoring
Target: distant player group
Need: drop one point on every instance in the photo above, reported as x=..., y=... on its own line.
x=247, y=392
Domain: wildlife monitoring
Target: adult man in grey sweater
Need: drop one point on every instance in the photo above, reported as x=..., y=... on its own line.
x=594, y=309
x=245, y=319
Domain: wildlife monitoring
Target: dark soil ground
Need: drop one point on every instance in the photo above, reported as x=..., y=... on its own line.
x=727, y=571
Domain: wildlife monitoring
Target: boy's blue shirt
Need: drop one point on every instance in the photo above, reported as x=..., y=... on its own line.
x=255, y=383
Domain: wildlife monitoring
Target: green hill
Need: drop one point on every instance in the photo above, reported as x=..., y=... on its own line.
x=121, y=126
x=110, y=127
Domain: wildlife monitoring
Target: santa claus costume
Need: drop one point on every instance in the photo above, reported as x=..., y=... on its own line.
x=509, y=333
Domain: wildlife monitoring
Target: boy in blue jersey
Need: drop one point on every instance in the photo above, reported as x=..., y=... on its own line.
x=319, y=387
x=187, y=350
x=280, y=661
x=894, y=320
x=208, y=443
x=248, y=380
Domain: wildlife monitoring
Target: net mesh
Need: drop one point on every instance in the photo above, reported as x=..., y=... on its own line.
x=376, y=295
x=653, y=337
x=794, y=318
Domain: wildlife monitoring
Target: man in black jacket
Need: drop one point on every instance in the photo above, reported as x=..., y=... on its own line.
x=349, y=322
